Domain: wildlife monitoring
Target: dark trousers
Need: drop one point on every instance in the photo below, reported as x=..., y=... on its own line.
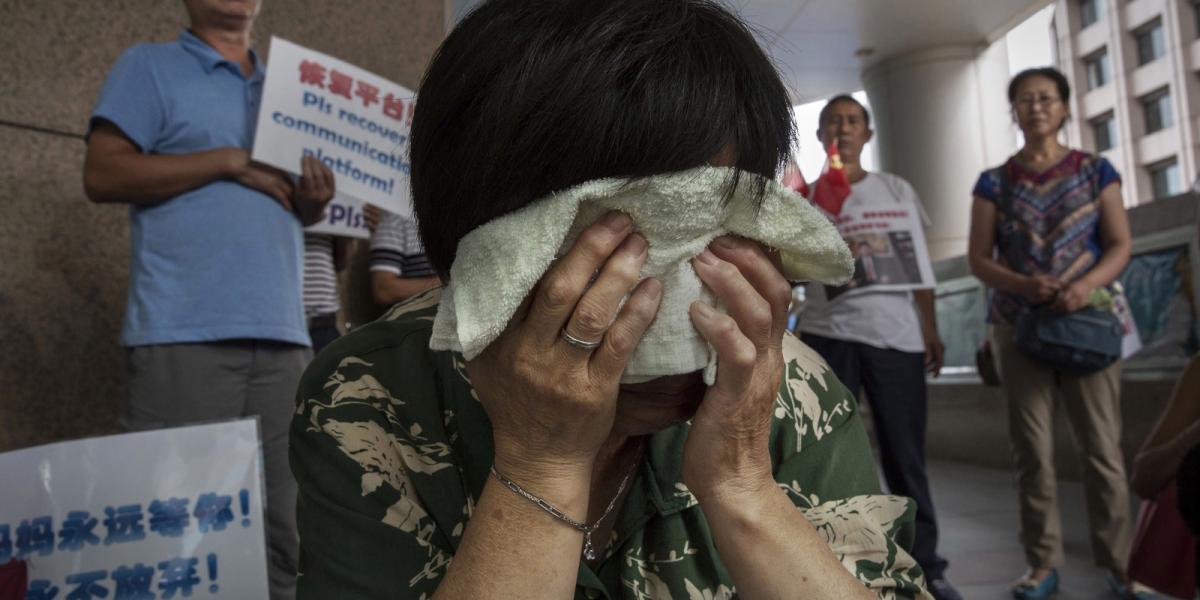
x=323, y=330
x=895, y=385
x=182, y=384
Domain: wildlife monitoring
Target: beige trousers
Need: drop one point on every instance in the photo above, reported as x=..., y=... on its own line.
x=1093, y=404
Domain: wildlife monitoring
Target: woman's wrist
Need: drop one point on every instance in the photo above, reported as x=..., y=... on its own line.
x=744, y=487
x=742, y=504
x=554, y=478
x=561, y=485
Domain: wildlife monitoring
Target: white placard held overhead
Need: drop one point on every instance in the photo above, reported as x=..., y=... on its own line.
x=354, y=121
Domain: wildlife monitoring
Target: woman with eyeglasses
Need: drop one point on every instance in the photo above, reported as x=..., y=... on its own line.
x=1048, y=229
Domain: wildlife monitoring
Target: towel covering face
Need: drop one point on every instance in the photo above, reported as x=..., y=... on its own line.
x=499, y=263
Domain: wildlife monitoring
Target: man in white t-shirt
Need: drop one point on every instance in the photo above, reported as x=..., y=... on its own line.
x=882, y=342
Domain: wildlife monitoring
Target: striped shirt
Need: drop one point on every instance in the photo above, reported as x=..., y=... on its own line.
x=396, y=248
x=1048, y=222
x=320, y=277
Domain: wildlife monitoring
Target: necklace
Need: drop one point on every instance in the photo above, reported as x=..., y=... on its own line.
x=589, y=551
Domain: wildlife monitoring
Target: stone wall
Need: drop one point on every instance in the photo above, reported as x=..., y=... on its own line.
x=64, y=260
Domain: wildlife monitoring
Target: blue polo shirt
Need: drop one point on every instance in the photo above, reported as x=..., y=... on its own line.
x=221, y=261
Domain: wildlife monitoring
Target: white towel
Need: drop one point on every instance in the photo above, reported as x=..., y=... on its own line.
x=498, y=263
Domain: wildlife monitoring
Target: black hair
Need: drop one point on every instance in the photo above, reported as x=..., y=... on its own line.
x=1060, y=82
x=843, y=98
x=528, y=97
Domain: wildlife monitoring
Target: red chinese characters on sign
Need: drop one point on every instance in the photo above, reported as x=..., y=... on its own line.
x=393, y=107
x=312, y=73
x=341, y=84
x=318, y=75
x=368, y=93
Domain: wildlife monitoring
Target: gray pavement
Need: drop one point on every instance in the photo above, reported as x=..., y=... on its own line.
x=977, y=521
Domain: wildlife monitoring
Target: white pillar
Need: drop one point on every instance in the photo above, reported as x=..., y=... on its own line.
x=941, y=117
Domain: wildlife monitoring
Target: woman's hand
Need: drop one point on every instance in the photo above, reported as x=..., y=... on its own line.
x=1040, y=289
x=552, y=403
x=726, y=453
x=1072, y=298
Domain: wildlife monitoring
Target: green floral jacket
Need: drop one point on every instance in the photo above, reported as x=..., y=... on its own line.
x=391, y=450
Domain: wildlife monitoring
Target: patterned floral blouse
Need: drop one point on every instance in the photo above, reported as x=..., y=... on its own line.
x=391, y=450
x=1048, y=222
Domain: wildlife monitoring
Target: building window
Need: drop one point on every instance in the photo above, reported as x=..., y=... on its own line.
x=1157, y=109
x=1097, y=69
x=1195, y=16
x=1104, y=130
x=1089, y=12
x=1164, y=179
x=1150, y=42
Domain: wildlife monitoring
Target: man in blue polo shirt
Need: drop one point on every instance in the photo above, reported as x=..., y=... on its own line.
x=214, y=325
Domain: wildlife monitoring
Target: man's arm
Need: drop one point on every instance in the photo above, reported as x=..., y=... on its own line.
x=116, y=170
x=935, y=350
x=388, y=288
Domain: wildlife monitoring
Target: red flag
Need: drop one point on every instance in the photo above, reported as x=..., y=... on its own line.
x=831, y=189
x=793, y=179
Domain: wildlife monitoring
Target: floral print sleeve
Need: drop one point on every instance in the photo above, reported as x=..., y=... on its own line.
x=360, y=435
x=391, y=449
x=824, y=464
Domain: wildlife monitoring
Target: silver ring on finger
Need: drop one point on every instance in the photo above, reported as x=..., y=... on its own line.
x=578, y=343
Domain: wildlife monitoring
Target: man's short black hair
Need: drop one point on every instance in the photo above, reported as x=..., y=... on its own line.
x=527, y=97
x=843, y=98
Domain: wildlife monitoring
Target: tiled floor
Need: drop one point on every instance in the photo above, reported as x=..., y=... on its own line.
x=977, y=518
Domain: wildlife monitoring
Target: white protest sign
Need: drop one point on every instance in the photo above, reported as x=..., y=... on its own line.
x=888, y=245
x=344, y=217
x=354, y=121
x=1131, y=341
x=149, y=515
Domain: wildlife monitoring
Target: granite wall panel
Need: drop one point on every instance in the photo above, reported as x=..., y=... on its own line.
x=63, y=260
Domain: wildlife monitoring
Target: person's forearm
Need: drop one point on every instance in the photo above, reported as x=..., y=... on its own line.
x=388, y=288
x=926, y=308
x=772, y=551
x=513, y=549
x=995, y=275
x=137, y=178
x=1154, y=467
x=1109, y=267
x=309, y=213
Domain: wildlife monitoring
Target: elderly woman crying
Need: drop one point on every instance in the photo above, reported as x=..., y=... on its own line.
x=601, y=401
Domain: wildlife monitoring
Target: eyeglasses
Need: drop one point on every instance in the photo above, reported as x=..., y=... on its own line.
x=1028, y=102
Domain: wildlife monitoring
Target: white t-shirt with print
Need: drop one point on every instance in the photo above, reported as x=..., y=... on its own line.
x=884, y=319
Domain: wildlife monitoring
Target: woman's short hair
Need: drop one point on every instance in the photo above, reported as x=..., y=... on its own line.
x=1060, y=82
x=527, y=97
